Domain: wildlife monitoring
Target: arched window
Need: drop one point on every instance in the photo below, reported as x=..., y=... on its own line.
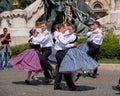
x=99, y=9
x=97, y=5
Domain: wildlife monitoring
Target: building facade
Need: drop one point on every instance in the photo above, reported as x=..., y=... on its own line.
x=101, y=8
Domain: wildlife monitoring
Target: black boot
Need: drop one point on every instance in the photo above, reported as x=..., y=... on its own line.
x=27, y=82
x=118, y=86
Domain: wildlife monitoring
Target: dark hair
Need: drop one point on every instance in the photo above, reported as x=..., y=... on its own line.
x=98, y=23
x=73, y=26
x=56, y=26
x=32, y=31
x=5, y=29
x=60, y=26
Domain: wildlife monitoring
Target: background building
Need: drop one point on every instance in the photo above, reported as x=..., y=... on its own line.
x=20, y=21
x=101, y=8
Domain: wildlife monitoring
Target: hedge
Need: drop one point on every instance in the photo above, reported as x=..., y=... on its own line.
x=18, y=49
x=110, y=48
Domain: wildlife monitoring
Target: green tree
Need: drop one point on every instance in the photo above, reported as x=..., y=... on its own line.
x=5, y=5
x=21, y=4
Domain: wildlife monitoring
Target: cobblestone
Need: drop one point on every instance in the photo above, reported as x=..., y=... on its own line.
x=12, y=84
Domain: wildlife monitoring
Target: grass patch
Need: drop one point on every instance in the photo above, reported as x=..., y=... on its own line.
x=109, y=61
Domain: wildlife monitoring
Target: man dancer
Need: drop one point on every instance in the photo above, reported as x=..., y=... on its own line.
x=95, y=40
x=45, y=40
x=62, y=43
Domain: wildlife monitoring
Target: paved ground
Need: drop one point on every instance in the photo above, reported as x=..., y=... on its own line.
x=12, y=84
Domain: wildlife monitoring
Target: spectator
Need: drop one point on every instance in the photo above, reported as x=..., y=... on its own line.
x=5, y=39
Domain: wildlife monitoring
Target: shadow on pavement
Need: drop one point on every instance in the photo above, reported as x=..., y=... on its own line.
x=40, y=81
x=116, y=89
x=23, y=83
x=80, y=88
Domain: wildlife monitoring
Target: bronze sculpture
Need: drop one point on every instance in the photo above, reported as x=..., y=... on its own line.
x=56, y=12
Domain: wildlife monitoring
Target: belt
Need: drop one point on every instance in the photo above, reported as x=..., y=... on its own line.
x=46, y=48
x=60, y=50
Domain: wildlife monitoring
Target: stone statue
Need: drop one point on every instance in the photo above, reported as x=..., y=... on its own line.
x=82, y=15
x=56, y=12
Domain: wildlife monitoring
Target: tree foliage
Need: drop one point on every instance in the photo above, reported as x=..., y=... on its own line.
x=14, y=4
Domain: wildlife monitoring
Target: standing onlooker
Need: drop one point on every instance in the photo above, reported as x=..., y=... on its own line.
x=94, y=41
x=5, y=39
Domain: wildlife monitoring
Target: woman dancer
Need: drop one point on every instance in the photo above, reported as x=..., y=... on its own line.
x=29, y=59
x=62, y=44
x=76, y=60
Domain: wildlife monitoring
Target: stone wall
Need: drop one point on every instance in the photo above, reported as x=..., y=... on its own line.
x=19, y=22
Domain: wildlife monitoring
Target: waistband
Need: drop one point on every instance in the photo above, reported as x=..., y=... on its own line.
x=46, y=48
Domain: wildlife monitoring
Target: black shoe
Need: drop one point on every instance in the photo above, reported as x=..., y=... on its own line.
x=57, y=88
x=89, y=74
x=77, y=86
x=5, y=66
x=119, y=82
x=47, y=81
x=27, y=82
x=94, y=76
x=118, y=87
x=78, y=76
x=73, y=88
x=54, y=76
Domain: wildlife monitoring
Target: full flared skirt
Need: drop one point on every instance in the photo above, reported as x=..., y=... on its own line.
x=77, y=60
x=52, y=58
x=27, y=60
x=83, y=47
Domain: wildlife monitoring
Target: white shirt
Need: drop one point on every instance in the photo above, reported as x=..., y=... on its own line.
x=44, y=41
x=66, y=32
x=96, y=38
x=56, y=34
x=63, y=42
x=33, y=38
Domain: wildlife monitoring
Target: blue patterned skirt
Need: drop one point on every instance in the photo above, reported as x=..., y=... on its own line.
x=52, y=58
x=77, y=60
x=83, y=47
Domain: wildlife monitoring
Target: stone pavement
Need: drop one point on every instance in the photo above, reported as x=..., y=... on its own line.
x=12, y=84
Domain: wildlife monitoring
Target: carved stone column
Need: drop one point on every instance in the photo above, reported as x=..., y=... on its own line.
x=18, y=18
x=117, y=4
x=18, y=30
x=5, y=19
x=112, y=4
